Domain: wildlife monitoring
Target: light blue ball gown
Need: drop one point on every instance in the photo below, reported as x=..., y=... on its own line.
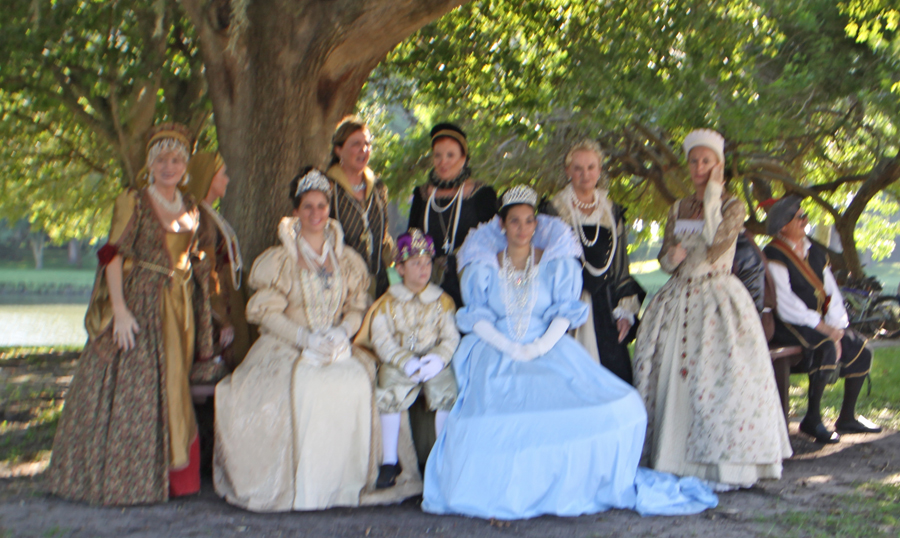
x=556, y=435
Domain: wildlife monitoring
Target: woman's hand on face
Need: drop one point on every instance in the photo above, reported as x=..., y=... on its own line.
x=124, y=329
x=623, y=326
x=677, y=254
x=717, y=174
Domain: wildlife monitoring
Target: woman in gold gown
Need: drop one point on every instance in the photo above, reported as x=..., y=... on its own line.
x=127, y=434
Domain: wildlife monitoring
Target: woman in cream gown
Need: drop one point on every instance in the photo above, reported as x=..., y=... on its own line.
x=701, y=362
x=294, y=420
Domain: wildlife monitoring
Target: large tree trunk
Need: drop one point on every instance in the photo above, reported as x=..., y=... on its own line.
x=281, y=84
x=884, y=173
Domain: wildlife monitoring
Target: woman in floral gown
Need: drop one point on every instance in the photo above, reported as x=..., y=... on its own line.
x=701, y=362
x=128, y=434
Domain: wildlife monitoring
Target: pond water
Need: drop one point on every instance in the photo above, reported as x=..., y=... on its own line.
x=42, y=325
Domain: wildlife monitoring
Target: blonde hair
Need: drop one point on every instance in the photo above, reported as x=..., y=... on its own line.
x=165, y=145
x=586, y=144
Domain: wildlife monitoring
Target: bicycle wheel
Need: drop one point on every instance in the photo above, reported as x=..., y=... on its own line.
x=885, y=317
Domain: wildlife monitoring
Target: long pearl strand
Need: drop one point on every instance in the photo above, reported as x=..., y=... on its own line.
x=518, y=293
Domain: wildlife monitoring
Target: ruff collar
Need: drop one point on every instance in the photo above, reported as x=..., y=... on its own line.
x=289, y=232
x=430, y=294
x=552, y=235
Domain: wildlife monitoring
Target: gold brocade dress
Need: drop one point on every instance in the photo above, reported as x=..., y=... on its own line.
x=127, y=434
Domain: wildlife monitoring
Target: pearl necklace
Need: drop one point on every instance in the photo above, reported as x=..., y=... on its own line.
x=175, y=206
x=449, y=240
x=578, y=224
x=581, y=205
x=321, y=290
x=519, y=295
x=576, y=217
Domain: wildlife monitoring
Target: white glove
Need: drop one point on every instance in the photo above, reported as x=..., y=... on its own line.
x=431, y=366
x=496, y=339
x=412, y=366
x=340, y=343
x=317, y=349
x=320, y=343
x=543, y=344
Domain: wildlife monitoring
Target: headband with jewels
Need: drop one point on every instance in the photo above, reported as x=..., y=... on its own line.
x=706, y=138
x=313, y=180
x=414, y=243
x=175, y=131
x=520, y=194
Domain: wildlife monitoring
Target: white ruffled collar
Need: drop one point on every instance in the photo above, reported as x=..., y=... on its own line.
x=430, y=294
x=552, y=235
x=289, y=230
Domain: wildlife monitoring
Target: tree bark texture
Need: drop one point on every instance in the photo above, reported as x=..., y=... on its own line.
x=883, y=174
x=281, y=83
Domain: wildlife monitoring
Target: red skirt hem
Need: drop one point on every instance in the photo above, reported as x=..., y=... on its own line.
x=186, y=481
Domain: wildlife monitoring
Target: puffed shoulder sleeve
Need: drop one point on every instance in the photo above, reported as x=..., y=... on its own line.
x=123, y=229
x=565, y=274
x=475, y=286
x=270, y=276
x=357, y=301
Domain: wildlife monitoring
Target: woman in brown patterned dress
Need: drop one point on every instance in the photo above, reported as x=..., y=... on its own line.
x=127, y=434
x=360, y=201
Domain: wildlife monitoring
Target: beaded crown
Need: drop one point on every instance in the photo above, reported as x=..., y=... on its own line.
x=520, y=194
x=313, y=180
x=414, y=243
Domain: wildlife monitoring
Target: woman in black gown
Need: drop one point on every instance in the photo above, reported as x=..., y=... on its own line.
x=450, y=204
x=615, y=297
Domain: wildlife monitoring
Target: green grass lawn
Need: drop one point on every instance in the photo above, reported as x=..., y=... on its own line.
x=32, y=278
x=882, y=405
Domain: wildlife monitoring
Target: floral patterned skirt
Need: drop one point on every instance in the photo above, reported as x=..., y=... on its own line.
x=703, y=368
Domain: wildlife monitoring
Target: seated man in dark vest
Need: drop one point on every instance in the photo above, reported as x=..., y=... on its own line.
x=811, y=314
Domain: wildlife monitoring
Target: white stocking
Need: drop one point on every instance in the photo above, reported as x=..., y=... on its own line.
x=390, y=433
x=439, y=418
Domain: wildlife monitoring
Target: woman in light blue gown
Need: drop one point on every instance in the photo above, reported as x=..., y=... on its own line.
x=539, y=427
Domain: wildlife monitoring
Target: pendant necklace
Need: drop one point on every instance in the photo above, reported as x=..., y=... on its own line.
x=316, y=262
x=455, y=206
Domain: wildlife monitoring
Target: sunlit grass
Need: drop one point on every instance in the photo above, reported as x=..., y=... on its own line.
x=870, y=511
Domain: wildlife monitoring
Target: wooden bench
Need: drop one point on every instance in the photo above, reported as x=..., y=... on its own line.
x=782, y=360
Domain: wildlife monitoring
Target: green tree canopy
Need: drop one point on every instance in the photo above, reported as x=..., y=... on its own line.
x=807, y=100
x=81, y=84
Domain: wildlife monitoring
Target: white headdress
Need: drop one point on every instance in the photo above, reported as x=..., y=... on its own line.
x=313, y=180
x=520, y=194
x=706, y=138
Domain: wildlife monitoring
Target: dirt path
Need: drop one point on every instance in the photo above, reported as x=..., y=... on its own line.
x=813, y=481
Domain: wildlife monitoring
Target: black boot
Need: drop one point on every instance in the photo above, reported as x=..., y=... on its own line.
x=387, y=475
x=847, y=421
x=812, y=423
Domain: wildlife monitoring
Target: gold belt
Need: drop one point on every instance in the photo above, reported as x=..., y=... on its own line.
x=170, y=273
